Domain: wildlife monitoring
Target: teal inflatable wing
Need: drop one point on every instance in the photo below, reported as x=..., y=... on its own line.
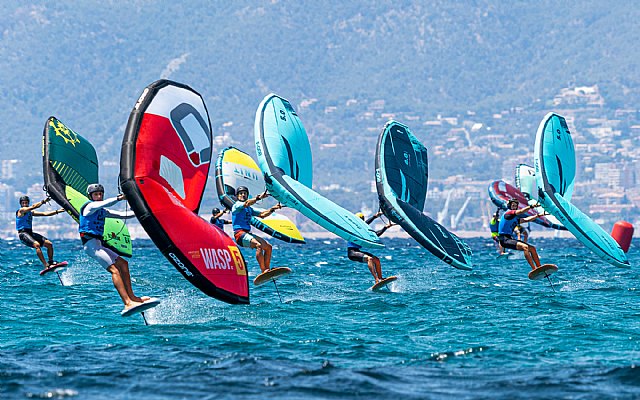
x=555, y=168
x=401, y=183
x=284, y=157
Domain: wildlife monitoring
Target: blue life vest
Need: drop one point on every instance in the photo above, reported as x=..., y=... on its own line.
x=217, y=222
x=241, y=217
x=353, y=246
x=507, y=225
x=24, y=222
x=94, y=223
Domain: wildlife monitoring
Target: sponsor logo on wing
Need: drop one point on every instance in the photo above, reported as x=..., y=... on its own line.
x=69, y=136
x=247, y=173
x=224, y=259
x=194, y=132
x=141, y=98
x=238, y=260
x=406, y=157
x=217, y=259
x=180, y=265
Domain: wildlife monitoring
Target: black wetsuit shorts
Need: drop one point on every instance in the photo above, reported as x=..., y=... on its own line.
x=29, y=238
x=357, y=255
x=509, y=242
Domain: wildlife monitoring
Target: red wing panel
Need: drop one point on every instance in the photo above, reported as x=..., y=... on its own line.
x=161, y=155
x=213, y=253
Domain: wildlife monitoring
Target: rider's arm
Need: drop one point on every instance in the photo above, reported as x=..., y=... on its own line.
x=373, y=218
x=527, y=208
x=23, y=210
x=253, y=201
x=382, y=230
x=531, y=218
x=120, y=214
x=94, y=206
x=47, y=213
x=270, y=211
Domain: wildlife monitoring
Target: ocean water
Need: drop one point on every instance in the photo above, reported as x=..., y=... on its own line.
x=438, y=333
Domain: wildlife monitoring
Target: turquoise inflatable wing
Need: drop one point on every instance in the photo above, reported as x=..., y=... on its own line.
x=555, y=168
x=284, y=157
x=401, y=183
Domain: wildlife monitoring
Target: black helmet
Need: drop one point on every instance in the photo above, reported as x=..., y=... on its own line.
x=93, y=188
x=512, y=201
x=25, y=198
x=215, y=211
x=242, y=189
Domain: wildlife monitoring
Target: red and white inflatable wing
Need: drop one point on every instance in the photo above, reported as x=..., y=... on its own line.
x=164, y=164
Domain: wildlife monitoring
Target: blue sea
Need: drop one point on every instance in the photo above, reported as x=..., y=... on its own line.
x=439, y=333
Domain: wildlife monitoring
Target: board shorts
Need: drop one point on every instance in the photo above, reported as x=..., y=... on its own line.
x=96, y=250
x=243, y=238
x=358, y=255
x=508, y=242
x=29, y=238
x=494, y=236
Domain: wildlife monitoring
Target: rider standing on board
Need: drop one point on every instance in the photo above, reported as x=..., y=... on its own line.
x=508, y=222
x=24, y=225
x=241, y=214
x=92, y=219
x=354, y=252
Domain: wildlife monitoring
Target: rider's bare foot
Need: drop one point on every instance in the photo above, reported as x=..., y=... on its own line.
x=132, y=304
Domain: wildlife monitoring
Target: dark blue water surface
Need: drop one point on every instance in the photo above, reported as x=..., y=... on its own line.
x=439, y=333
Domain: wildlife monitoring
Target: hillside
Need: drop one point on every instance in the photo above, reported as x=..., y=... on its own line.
x=86, y=63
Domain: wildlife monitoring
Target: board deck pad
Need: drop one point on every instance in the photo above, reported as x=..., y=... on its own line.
x=152, y=302
x=273, y=273
x=55, y=267
x=383, y=283
x=543, y=271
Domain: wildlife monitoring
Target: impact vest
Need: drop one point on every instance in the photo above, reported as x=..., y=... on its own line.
x=217, y=222
x=92, y=224
x=241, y=217
x=507, y=225
x=24, y=222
